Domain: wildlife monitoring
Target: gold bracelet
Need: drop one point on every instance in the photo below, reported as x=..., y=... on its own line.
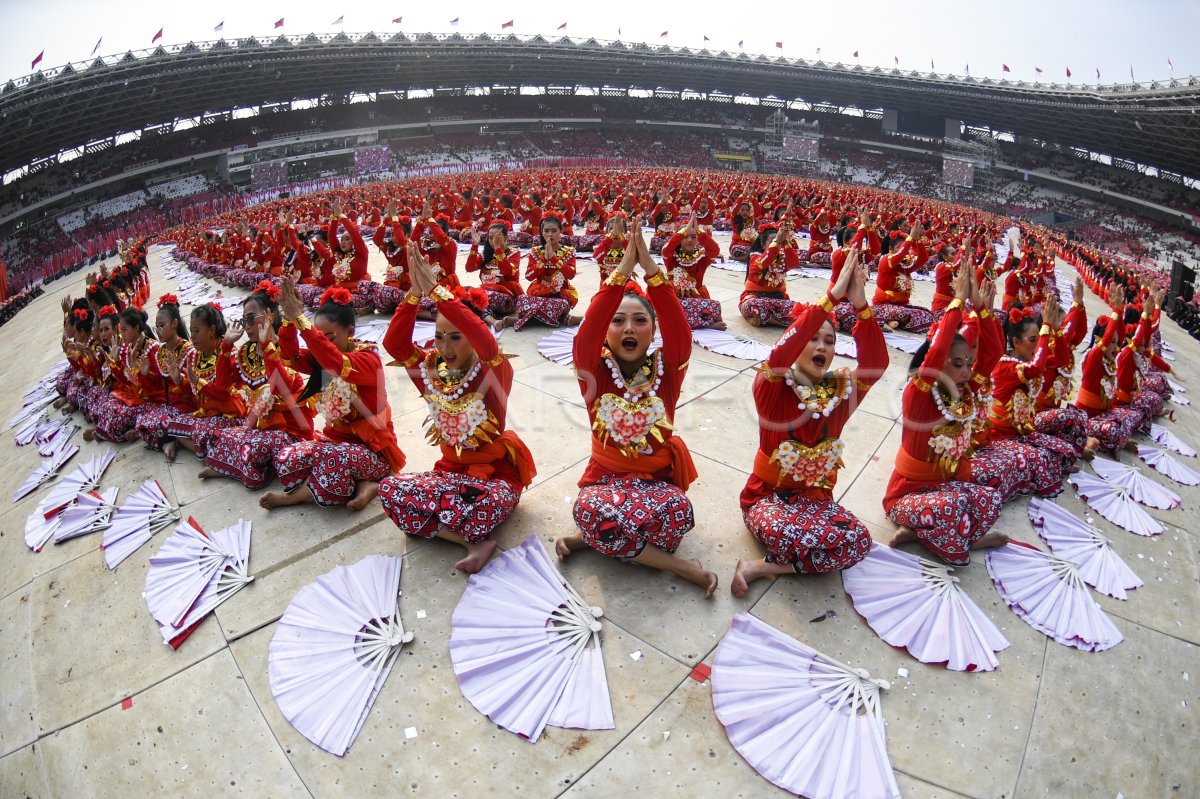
x=302, y=323
x=1045, y=330
x=825, y=304
x=657, y=279
x=412, y=299
x=441, y=294
x=954, y=305
x=866, y=313
x=616, y=278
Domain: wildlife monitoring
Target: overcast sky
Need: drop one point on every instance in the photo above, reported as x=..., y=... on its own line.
x=1051, y=34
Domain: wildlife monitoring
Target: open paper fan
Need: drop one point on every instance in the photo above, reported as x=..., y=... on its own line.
x=1141, y=488
x=1165, y=465
x=32, y=410
x=193, y=573
x=59, y=439
x=1176, y=388
x=1114, y=503
x=807, y=723
x=916, y=604
x=526, y=647
x=846, y=346
x=723, y=342
x=85, y=477
x=27, y=434
x=1050, y=595
x=1179, y=400
x=1073, y=539
x=905, y=342
x=558, y=346
x=38, y=528
x=333, y=649
x=1166, y=438
x=46, y=471
x=90, y=514
x=142, y=515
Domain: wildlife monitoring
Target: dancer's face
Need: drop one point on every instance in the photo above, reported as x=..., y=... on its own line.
x=340, y=335
x=129, y=333
x=816, y=356
x=630, y=331
x=551, y=232
x=960, y=363
x=453, y=347
x=1025, y=342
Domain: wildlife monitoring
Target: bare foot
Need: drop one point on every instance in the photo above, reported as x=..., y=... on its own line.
x=698, y=575
x=69, y=409
x=743, y=574
x=208, y=472
x=892, y=325
x=1131, y=446
x=1074, y=468
x=568, y=544
x=990, y=540
x=755, y=321
x=367, y=490
x=477, y=557
x=718, y=326
x=573, y=320
x=170, y=450
x=272, y=500
x=131, y=436
x=509, y=321
x=904, y=535
x=58, y=403
x=89, y=434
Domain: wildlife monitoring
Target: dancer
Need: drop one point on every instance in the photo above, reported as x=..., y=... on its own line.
x=465, y=380
x=1110, y=422
x=893, y=285
x=1054, y=416
x=787, y=502
x=343, y=464
x=929, y=495
x=632, y=503
x=549, y=270
x=687, y=256
x=153, y=423
x=764, y=299
x=132, y=384
x=210, y=376
x=499, y=268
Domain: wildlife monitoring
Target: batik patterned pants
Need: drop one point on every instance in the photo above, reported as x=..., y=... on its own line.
x=551, y=311
x=767, y=310
x=200, y=429
x=332, y=470
x=247, y=455
x=500, y=304
x=1010, y=466
x=112, y=417
x=700, y=312
x=154, y=422
x=619, y=516
x=812, y=536
x=909, y=317
x=949, y=519
x=1069, y=424
x=1114, y=427
x=421, y=502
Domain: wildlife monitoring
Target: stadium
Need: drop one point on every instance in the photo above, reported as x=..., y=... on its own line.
x=180, y=161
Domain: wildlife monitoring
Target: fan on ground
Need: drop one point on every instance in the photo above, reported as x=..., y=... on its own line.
x=905, y=342
x=916, y=604
x=1050, y=595
x=807, y=723
x=1073, y=539
x=559, y=346
x=1114, y=503
x=58, y=439
x=28, y=432
x=90, y=514
x=142, y=515
x=1167, y=466
x=1166, y=438
x=723, y=342
x=85, y=477
x=526, y=647
x=1141, y=488
x=334, y=647
x=46, y=471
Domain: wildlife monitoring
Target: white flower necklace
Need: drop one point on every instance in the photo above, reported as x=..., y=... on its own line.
x=432, y=382
x=824, y=397
x=963, y=411
x=649, y=388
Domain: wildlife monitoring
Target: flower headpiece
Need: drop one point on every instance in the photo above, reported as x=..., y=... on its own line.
x=1016, y=315
x=216, y=306
x=765, y=226
x=81, y=314
x=337, y=295
x=108, y=310
x=268, y=288
x=475, y=297
x=168, y=299
x=500, y=222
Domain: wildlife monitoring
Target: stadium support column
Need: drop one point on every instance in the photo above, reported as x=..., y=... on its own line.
x=223, y=167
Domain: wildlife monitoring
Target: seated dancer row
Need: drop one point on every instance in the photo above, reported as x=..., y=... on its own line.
x=893, y=282
x=787, y=502
x=1109, y=391
x=632, y=501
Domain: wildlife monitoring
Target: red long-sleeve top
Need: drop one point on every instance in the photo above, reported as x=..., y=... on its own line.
x=268, y=389
x=1068, y=336
x=438, y=249
x=136, y=387
x=1127, y=372
x=354, y=400
x=301, y=259
x=686, y=268
x=893, y=283
x=799, y=429
x=180, y=396
x=1098, y=383
x=212, y=391
x=1016, y=384
x=501, y=274
x=935, y=446
x=632, y=431
x=943, y=284
x=349, y=268
x=468, y=424
x=550, y=275
x=768, y=270
x=396, y=256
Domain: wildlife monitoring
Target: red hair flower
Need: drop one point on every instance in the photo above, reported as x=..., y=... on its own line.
x=108, y=310
x=81, y=313
x=268, y=288
x=500, y=222
x=475, y=297
x=765, y=226
x=92, y=289
x=216, y=306
x=337, y=295
x=107, y=284
x=168, y=299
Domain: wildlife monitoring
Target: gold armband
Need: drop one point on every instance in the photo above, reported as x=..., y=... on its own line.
x=616, y=278
x=441, y=294
x=866, y=313
x=825, y=304
x=657, y=279
x=954, y=305
x=412, y=299
x=302, y=323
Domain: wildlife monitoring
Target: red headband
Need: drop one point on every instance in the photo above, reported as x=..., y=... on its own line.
x=337, y=295
x=168, y=299
x=216, y=306
x=268, y=288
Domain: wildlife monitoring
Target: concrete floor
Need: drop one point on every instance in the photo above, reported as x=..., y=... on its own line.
x=93, y=704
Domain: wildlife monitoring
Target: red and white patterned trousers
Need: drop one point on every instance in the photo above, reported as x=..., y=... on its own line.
x=200, y=429
x=245, y=454
x=332, y=470
x=767, y=310
x=551, y=311
x=949, y=519
x=154, y=420
x=112, y=417
x=909, y=317
x=1010, y=466
x=700, y=312
x=619, y=516
x=1069, y=424
x=1114, y=427
x=812, y=536
x=421, y=502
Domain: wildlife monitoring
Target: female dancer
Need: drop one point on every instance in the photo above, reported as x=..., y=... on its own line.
x=928, y=495
x=744, y=233
x=631, y=502
x=893, y=286
x=549, y=270
x=210, y=377
x=499, y=269
x=153, y=423
x=269, y=390
x=1110, y=422
x=687, y=256
x=1054, y=417
x=465, y=380
x=344, y=464
x=133, y=385
x=610, y=252
x=764, y=298
x=787, y=502
x=391, y=237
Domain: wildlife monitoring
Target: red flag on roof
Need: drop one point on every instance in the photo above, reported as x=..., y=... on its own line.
x=397, y=20
x=1038, y=70
x=562, y=27
x=779, y=45
x=1005, y=68
x=662, y=35
x=454, y=22
x=896, y=58
x=508, y=24
x=1068, y=72
x=157, y=36
x=1097, y=73
x=707, y=39
x=740, y=41
x=37, y=60
x=856, y=54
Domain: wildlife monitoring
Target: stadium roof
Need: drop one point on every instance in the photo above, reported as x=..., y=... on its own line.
x=66, y=107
